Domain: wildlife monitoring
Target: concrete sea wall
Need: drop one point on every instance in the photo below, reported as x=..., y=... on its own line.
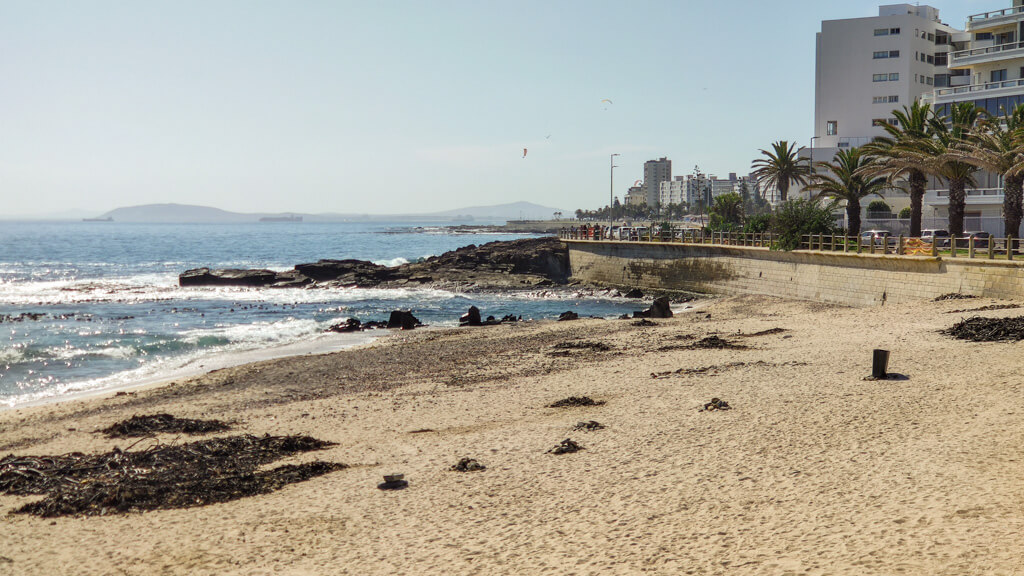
x=851, y=279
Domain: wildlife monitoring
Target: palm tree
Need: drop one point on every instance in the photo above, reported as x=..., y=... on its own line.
x=952, y=134
x=781, y=167
x=998, y=146
x=846, y=179
x=913, y=125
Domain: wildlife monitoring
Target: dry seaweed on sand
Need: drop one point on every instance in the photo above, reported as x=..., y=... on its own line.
x=576, y=401
x=986, y=308
x=583, y=345
x=138, y=426
x=716, y=404
x=767, y=332
x=978, y=329
x=644, y=322
x=588, y=426
x=158, y=477
x=468, y=465
x=567, y=446
x=952, y=296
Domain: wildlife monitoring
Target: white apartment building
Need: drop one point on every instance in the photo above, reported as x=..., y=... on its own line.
x=987, y=63
x=656, y=172
x=866, y=67
x=672, y=191
x=635, y=196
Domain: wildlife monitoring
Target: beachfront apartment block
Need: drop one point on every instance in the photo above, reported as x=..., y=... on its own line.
x=655, y=172
x=986, y=63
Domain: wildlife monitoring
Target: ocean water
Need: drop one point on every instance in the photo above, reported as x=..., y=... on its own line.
x=91, y=306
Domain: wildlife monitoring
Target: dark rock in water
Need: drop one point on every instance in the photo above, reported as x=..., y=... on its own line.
x=352, y=271
x=291, y=279
x=660, y=308
x=471, y=318
x=468, y=465
x=350, y=325
x=566, y=446
x=511, y=318
x=634, y=293
x=403, y=319
x=625, y=317
x=21, y=317
x=576, y=401
x=374, y=324
x=569, y=315
x=226, y=277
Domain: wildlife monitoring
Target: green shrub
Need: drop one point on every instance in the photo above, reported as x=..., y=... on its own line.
x=796, y=218
x=905, y=213
x=878, y=207
x=727, y=213
x=757, y=223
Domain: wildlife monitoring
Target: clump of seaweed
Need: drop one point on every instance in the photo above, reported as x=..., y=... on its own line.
x=159, y=477
x=567, y=446
x=138, y=426
x=978, y=329
x=952, y=296
x=468, y=465
x=575, y=402
x=588, y=426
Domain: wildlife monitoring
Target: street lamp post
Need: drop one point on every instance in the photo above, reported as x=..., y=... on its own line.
x=813, y=138
x=611, y=192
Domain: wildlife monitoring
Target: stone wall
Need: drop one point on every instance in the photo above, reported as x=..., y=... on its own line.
x=852, y=279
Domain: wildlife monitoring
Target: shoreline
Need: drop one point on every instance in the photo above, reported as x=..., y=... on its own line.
x=813, y=469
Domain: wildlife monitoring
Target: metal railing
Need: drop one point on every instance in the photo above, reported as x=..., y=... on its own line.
x=995, y=14
x=972, y=247
x=961, y=54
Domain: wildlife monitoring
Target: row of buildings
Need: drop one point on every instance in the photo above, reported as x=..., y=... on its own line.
x=867, y=67
x=660, y=188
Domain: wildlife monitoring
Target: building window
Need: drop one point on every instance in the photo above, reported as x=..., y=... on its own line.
x=878, y=122
x=929, y=81
x=881, y=54
x=942, y=59
x=831, y=128
x=931, y=59
x=942, y=80
x=881, y=31
x=982, y=36
x=894, y=31
x=879, y=100
x=894, y=76
x=892, y=122
x=879, y=77
x=894, y=53
x=941, y=38
x=931, y=37
x=894, y=99
x=998, y=75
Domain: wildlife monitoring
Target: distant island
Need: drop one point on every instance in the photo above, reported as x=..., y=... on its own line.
x=187, y=213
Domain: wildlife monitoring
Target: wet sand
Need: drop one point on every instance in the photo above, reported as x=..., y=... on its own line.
x=813, y=471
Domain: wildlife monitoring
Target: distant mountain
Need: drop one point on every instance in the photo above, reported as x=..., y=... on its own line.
x=192, y=213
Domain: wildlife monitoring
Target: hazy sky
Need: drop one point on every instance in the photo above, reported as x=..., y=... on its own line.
x=394, y=107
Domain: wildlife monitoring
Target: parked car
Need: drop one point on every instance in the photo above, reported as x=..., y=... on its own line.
x=936, y=235
x=877, y=237
x=981, y=239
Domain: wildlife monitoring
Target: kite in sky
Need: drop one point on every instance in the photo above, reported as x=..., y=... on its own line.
x=524, y=152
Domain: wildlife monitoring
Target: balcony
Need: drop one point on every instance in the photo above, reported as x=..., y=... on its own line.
x=972, y=197
x=973, y=91
x=995, y=18
x=964, y=58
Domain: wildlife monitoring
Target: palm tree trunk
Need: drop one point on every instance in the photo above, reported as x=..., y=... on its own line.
x=918, y=183
x=853, y=216
x=783, y=189
x=956, y=207
x=1012, y=199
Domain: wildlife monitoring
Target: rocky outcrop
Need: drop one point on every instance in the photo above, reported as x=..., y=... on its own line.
x=523, y=263
x=660, y=308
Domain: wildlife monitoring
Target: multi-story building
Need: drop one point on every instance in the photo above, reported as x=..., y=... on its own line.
x=672, y=191
x=987, y=66
x=635, y=196
x=656, y=172
x=866, y=67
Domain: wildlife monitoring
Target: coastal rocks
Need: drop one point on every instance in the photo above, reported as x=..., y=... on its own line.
x=660, y=308
x=403, y=319
x=350, y=325
x=568, y=315
x=634, y=293
x=227, y=277
x=471, y=318
x=32, y=316
x=355, y=272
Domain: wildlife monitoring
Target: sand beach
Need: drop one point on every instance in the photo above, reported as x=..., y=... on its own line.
x=814, y=470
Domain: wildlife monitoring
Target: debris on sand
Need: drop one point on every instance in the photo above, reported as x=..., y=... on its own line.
x=468, y=465
x=159, y=477
x=767, y=332
x=707, y=343
x=986, y=308
x=566, y=446
x=583, y=345
x=978, y=329
x=716, y=404
x=393, y=482
x=139, y=426
x=644, y=322
x=576, y=402
x=952, y=296
x=588, y=426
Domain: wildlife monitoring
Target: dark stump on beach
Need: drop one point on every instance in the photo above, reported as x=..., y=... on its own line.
x=403, y=319
x=660, y=308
